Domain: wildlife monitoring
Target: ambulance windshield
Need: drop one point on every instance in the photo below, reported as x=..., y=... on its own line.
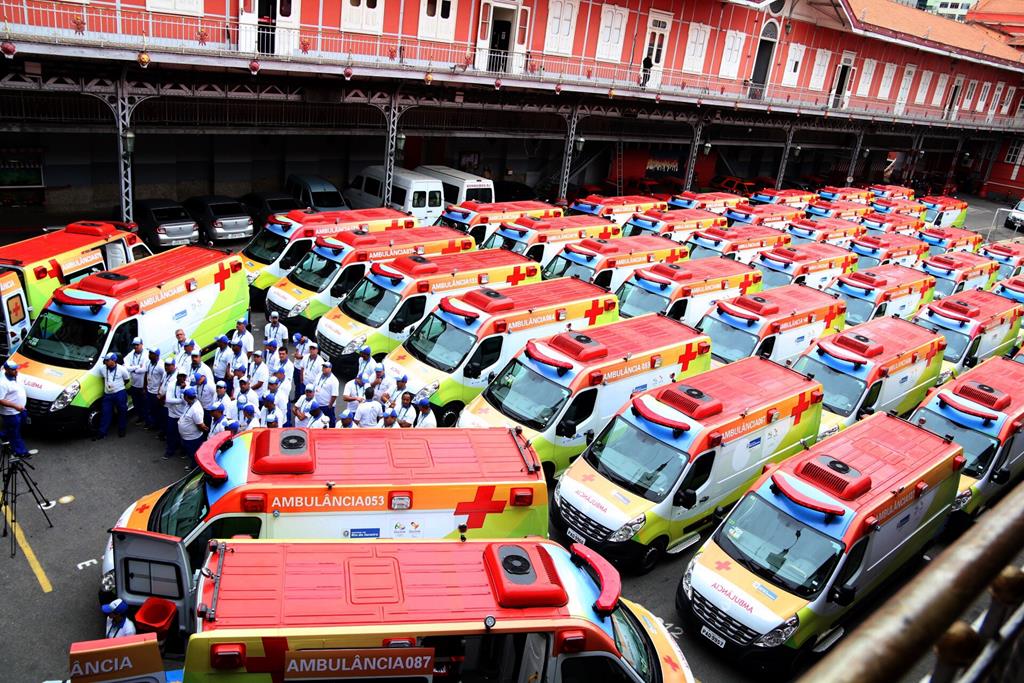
x=956, y=341
x=728, y=343
x=930, y=215
x=1006, y=270
x=777, y=547
x=440, y=344
x=314, y=272
x=522, y=394
x=773, y=278
x=864, y=261
x=560, y=266
x=63, y=340
x=266, y=246
x=700, y=251
x=978, y=448
x=944, y=286
x=634, y=230
x=857, y=310
x=634, y=300
x=633, y=459
x=499, y=241
x=181, y=507
x=369, y=303
x=842, y=391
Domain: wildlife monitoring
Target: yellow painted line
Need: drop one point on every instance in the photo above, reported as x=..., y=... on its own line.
x=26, y=549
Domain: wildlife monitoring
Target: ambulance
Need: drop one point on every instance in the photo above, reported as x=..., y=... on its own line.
x=200, y=290
x=891, y=192
x=831, y=193
x=976, y=324
x=886, y=365
x=384, y=483
x=883, y=291
x=125, y=659
x=777, y=324
x=609, y=263
x=1011, y=288
x=468, y=337
x=287, y=237
x=653, y=479
x=884, y=248
x=837, y=231
x=406, y=612
x=740, y=243
x=391, y=300
x=675, y=224
x=541, y=239
x=944, y=212
x=767, y=215
x=616, y=209
x=838, y=208
x=942, y=240
x=1009, y=254
x=907, y=207
x=983, y=411
x=815, y=536
x=795, y=198
x=562, y=390
x=685, y=291
x=902, y=224
x=958, y=271
x=335, y=264
x=814, y=264
x=480, y=220
x=715, y=202
x=32, y=269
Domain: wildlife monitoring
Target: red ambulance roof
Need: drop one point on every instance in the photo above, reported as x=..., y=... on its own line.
x=899, y=203
x=974, y=305
x=1005, y=248
x=150, y=272
x=768, y=210
x=613, y=342
x=742, y=233
x=555, y=223
x=358, y=239
x=888, y=276
x=897, y=190
x=677, y=216
x=995, y=384
x=701, y=269
x=950, y=233
x=805, y=253
x=389, y=457
x=958, y=260
x=941, y=200
x=873, y=465
x=623, y=246
x=74, y=236
x=530, y=296
x=424, y=266
x=295, y=584
x=308, y=217
x=889, y=241
x=505, y=207
x=838, y=205
x=894, y=219
x=877, y=342
x=784, y=302
x=622, y=200
x=713, y=197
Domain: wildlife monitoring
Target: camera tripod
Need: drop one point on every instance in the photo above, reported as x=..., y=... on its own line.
x=15, y=469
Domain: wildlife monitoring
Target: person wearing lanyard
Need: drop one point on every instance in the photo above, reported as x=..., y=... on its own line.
x=406, y=412
x=137, y=365
x=258, y=372
x=191, y=427
x=184, y=356
x=223, y=359
x=300, y=410
x=205, y=393
x=425, y=418
x=327, y=391
x=218, y=423
x=241, y=334
x=248, y=419
x=170, y=378
x=245, y=396
x=118, y=623
x=174, y=400
x=369, y=412
x=276, y=392
x=230, y=407
x=352, y=394
x=389, y=420
x=398, y=391
x=270, y=415
x=311, y=365
x=274, y=329
x=270, y=354
x=115, y=397
x=346, y=421
x=367, y=367
x=156, y=377
x=240, y=356
x=383, y=387
x=317, y=419
x=301, y=344
x=12, y=408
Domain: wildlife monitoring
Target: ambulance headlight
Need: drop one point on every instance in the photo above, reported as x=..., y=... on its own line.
x=834, y=429
x=108, y=584
x=427, y=391
x=629, y=529
x=963, y=499
x=355, y=344
x=686, y=583
x=251, y=277
x=557, y=493
x=778, y=636
x=66, y=397
x=298, y=308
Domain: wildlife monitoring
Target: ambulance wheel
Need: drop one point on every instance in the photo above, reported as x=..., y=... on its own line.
x=650, y=556
x=92, y=418
x=448, y=416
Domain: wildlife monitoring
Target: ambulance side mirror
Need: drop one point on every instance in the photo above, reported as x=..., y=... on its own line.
x=970, y=361
x=685, y=499
x=566, y=428
x=1000, y=476
x=491, y=376
x=472, y=370
x=842, y=595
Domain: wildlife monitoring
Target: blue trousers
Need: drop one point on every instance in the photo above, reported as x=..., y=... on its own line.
x=156, y=415
x=12, y=433
x=173, y=438
x=117, y=401
x=140, y=403
x=189, y=448
x=329, y=412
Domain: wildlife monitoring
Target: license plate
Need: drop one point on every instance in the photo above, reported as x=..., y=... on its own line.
x=175, y=243
x=712, y=636
x=575, y=535
x=235, y=236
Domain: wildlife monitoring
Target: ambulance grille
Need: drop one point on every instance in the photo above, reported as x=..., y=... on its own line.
x=582, y=523
x=721, y=622
x=329, y=348
x=274, y=308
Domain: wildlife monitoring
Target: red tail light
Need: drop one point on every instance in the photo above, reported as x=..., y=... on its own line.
x=521, y=497
x=467, y=244
x=500, y=326
x=191, y=284
x=596, y=377
x=39, y=272
x=422, y=286
x=218, y=224
x=568, y=642
x=362, y=256
x=531, y=271
x=225, y=656
x=254, y=502
x=131, y=308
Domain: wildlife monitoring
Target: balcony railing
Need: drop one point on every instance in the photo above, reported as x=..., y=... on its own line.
x=105, y=25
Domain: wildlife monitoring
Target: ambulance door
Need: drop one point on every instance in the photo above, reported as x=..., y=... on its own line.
x=409, y=314
x=148, y=564
x=1010, y=466
x=115, y=254
x=535, y=656
x=579, y=421
x=16, y=321
x=484, y=362
x=345, y=282
x=696, y=496
x=849, y=579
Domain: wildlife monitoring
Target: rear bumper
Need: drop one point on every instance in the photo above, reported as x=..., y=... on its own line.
x=162, y=240
x=234, y=233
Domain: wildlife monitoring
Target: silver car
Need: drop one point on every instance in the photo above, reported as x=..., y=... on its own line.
x=165, y=223
x=220, y=218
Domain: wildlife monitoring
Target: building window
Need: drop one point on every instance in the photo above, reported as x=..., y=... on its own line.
x=983, y=96
x=1013, y=152
x=175, y=6
x=696, y=48
x=777, y=6
x=561, y=19
x=821, y=60
x=363, y=16
x=732, y=53
x=867, y=74
x=1008, y=100
x=965, y=103
x=939, y=96
x=886, y=85
x=612, y=34
x=922, y=88
x=437, y=19
x=794, y=60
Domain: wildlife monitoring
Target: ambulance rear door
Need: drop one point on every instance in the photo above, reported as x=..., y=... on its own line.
x=148, y=564
x=15, y=316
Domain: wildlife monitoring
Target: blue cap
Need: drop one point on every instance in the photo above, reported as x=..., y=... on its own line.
x=314, y=406
x=280, y=370
x=403, y=378
x=423, y=402
x=117, y=606
x=268, y=397
x=189, y=342
x=190, y=392
x=222, y=338
x=217, y=406
x=232, y=426
x=310, y=387
x=365, y=349
x=236, y=342
x=257, y=353
x=273, y=380
x=379, y=369
x=391, y=413
x=110, y=356
x=297, y=337
x=155, y=351
x=345, y=415
x=169, y=361
x=137, y=340
x=327, y=364
x=198, y=376
x=11, y=365
x=241, y=321
x=222, y=384
x=248, y=409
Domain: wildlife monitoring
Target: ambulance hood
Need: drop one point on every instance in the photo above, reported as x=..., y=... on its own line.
x=400, y=362
x=44, y=382
x=135, y=516
x=741, y=594
x=598, y=498
x=342, y=329
x=668, y=650
x=480, y=413
x=285, y=294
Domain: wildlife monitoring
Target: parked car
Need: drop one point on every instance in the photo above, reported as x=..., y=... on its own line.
x=511, y=191
x=315, y=192
x=262, y=205
x=219, y=218
x=729, y=183
x=1015, y=219
x=165, y=223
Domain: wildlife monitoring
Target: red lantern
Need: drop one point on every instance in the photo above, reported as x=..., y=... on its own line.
x=428, y=78
x=254, y=67
x=558, y=89
x=497, y=84
x=143, y=59
x=347, y=73
x=9, y=49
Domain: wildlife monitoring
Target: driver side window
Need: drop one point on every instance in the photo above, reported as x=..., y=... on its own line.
x=699, y=472
x=872, y=396
x=581, y=408
x=121, y=342
x=880, y=311
x=488, y=353
x=604, y=279
x=766, y=347
x=678, y=310
x=347, y=280
x=294, y=253
x=854, y=561
x=223, y=527
x=535, y=253
x=409, y=313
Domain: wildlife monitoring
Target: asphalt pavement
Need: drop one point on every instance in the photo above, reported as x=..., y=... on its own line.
x=50, y=586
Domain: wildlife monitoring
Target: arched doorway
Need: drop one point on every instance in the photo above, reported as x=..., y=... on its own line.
x=763, y=60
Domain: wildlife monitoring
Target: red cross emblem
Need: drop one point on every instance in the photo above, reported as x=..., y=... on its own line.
x=222, y=275
x=54, y=270
x=142, y=508
x=272, y=661
x=454, y=247
x=587, y=477
x=723, y=565
x=687, y=355
x=516, y=277
x=672, y=663
x=676, y=255
x=833, y=313
x=596, y=309
x=801, y=405
x=745, y=283
x=605, y=234
x=481, y=506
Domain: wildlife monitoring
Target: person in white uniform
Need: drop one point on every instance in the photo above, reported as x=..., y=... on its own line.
x=243, y=335
x=369, y=412
x=275, y=330
x=425, y=417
